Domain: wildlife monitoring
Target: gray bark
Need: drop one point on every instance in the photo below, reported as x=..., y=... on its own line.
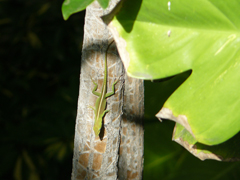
x=132, y=132
x=94, y=157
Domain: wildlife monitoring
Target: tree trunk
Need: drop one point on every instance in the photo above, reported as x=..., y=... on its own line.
x=118, y=153
x=132, y=133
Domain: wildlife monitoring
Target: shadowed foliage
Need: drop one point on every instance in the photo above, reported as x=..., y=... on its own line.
x=39, y=78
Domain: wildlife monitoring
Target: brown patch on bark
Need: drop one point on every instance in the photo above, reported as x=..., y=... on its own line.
x=83, y=160
x=133, y=127
x=97, y=159
x=101, y=146
x=124, y=130
x=131, y=175
x=110, y=160
x=81, y=174
x=115, y=140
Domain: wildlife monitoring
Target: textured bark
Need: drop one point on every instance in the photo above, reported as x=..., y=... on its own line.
x=132, y=132
x=96, y=158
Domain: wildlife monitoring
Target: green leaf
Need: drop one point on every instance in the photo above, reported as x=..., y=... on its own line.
x=70, y=7
x=158, y=39
x=227, y=151
x=164, y=159
x=103, y=3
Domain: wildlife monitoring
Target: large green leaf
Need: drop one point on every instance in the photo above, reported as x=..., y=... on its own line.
x=158, y=39
x=70, y=7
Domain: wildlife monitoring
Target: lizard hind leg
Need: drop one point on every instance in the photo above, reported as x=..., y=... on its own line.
x=98, y=124
x=104, y=112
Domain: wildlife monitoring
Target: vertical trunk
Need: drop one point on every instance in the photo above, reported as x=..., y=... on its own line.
x=132, y=133
x=96, y=158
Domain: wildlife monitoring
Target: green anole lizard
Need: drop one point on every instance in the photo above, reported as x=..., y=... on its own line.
x=100, y=104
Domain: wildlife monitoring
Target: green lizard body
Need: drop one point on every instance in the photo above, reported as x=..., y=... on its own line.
x=101, y=102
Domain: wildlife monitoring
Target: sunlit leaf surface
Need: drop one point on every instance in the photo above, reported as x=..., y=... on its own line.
x=158, y=39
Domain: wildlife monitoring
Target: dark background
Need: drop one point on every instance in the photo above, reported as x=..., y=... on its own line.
x=39, y=81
